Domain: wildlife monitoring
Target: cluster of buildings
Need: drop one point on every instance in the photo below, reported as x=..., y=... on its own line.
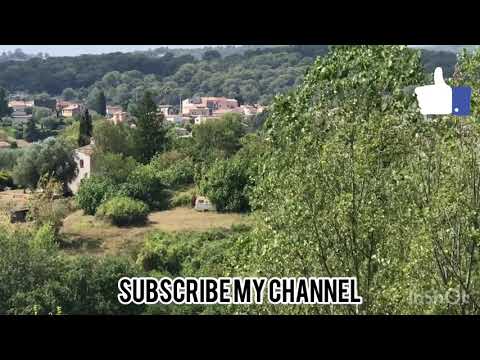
x=22, y=108
x=202, y=109
x=192, y=111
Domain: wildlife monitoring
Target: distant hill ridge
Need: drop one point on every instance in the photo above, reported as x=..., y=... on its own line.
x=250, y=73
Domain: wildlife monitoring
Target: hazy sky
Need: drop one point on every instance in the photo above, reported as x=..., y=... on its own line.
x=72, y=50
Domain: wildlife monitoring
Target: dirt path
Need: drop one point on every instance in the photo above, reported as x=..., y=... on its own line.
x=89, y=235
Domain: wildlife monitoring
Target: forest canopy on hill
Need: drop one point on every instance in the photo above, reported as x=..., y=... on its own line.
x=249, y=74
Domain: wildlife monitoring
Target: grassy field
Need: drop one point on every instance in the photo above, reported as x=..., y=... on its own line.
x=85, y=234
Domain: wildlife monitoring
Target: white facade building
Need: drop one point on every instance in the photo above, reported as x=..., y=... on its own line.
x=83, y=158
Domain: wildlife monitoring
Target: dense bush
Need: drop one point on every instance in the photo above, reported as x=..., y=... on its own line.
x=53, y=158
x=113, y=138
x=144, y=184
x=218, y=139
x=38, y=279
x=8, y=158
x=227, y=185
x=122, y=211
x=93, y=191
x=115, y=167
x=180, y=173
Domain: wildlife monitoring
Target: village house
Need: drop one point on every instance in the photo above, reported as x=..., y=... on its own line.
x=20, y=104
x=19, y=107
x=205, y=106
x=71, y=110
x=83, y=159
x=112, y=109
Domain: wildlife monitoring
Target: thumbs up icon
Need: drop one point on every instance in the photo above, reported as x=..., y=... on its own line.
x=441, y=99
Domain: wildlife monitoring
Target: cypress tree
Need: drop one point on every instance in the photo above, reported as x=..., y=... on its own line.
x=85, y=129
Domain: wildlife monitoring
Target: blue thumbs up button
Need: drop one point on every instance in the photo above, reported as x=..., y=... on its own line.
x=461, y=100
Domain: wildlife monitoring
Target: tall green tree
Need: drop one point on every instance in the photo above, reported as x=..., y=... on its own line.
x=149, y=134
x=101, y=104
x=52, y=158
x=4, y=109
x=218, y=139
x=85, y=129
x=332, y=190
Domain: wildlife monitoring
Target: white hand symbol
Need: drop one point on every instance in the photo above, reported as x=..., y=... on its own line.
x=435, y=99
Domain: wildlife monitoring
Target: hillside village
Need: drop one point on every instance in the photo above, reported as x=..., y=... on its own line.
x=291, y=161
x=194, y=111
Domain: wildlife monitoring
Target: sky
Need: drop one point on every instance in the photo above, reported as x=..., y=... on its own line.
x=73, y=50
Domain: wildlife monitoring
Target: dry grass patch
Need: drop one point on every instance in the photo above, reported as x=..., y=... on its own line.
x=86, y=234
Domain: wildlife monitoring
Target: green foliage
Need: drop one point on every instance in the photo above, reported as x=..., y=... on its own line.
x=93, y=191
x=30, y=131
x=69, y=135
x=38, y=279
x=38, y=113
x=115, y=167
x=8, y=158
x=57, y=73
x=123, y=211
x=211, y=55
x=178, y=174
x=4, y=109
x=93, y=286
x=111, y=138
x=85, y=129
x=48, y=207
x=97, y=102
x=145, y=184
x=189, y=254
x=217, y=139
x=149, y=134
x=183, y=198
x=227, y=184
x=69, y=94
x=52, y=158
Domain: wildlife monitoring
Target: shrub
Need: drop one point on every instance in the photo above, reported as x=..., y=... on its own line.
x=163, y=161
x=46, y=209
x=180, y=173
x=93, y=191
x=183, y=198
x=52, y=157
x=227, y=185
x=8, y=158
x=122, y=210
x=174, y=168
x=144, y=184
x=116, y=167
